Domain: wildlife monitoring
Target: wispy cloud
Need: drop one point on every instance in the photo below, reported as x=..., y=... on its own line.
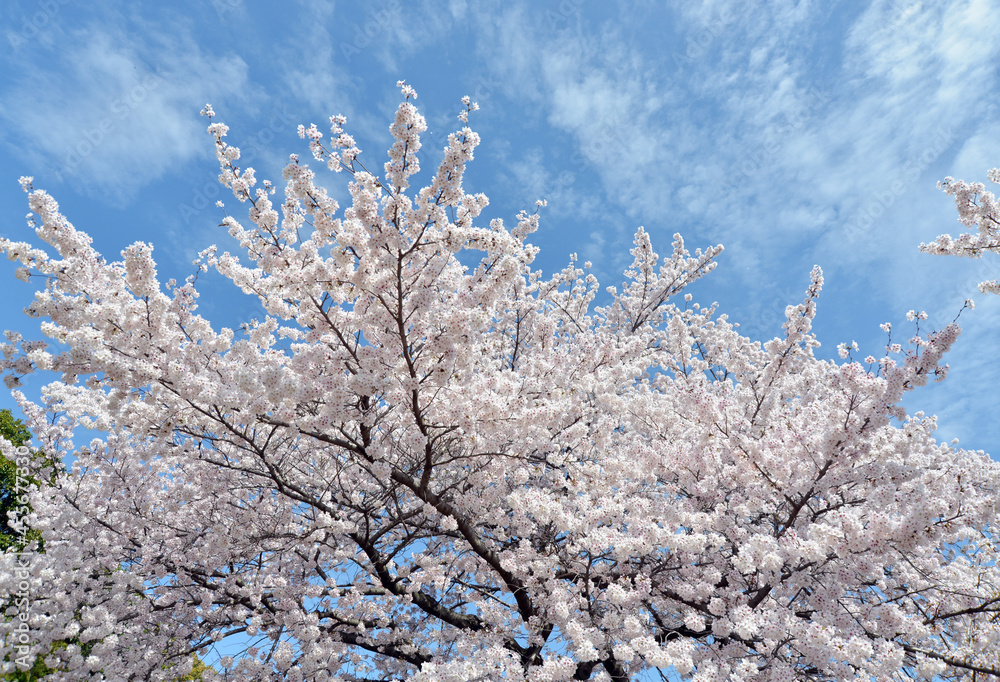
x=792, y=133
x=98, y=115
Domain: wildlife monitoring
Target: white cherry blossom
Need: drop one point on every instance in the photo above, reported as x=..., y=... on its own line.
x=413, y=469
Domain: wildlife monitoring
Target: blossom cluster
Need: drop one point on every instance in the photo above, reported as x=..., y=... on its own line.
x=979, y=212
x=411, y=467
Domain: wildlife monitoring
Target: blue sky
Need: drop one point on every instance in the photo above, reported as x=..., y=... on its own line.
x=794, y=133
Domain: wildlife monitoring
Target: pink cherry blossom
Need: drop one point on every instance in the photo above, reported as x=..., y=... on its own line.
x=414, y=469
x=978, y=211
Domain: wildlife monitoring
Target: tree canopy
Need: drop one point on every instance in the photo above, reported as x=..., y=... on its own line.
x=412, y=468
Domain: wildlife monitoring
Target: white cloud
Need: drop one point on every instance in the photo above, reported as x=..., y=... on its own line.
x=319, y=81
x=109, y=117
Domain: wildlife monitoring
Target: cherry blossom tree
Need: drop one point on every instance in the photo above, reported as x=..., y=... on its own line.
x=429, y=461
x=977, y=208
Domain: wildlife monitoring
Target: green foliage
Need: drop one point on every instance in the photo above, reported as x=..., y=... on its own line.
x=12, y=429
x=38, y=669
x=35, y=672
x=17, y=433
x=198, y=667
